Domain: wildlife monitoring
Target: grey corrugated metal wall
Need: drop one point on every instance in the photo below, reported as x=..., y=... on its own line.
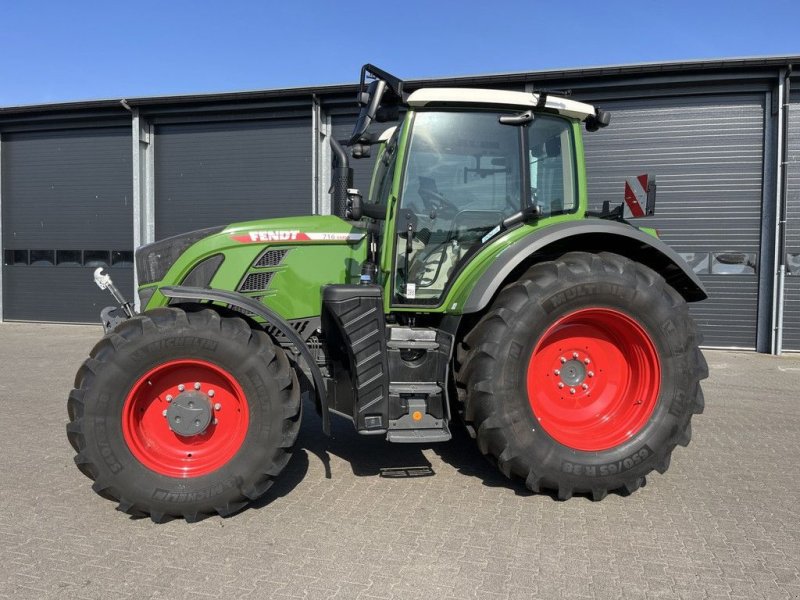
x=791, y=325
x=210, y=174
x=67, y=202
x=707, y=153
x=238, y=158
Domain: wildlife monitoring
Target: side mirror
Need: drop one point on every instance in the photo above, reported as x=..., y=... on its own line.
x=369, y=102
x=361, y=150
x=356, y=208
x=600, y=119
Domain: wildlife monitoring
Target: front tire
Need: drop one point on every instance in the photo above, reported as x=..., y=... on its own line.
x=583, y=375
x=183, y=414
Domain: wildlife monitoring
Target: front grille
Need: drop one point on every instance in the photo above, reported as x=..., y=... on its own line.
x=271, y=258
x=256, y=282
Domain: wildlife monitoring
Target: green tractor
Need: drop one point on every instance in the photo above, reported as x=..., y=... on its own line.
x=471, y=282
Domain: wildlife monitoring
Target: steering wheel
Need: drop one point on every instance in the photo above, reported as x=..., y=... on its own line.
x=436, y=202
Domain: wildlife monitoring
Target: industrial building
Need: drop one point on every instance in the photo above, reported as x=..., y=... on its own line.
x=84, y=183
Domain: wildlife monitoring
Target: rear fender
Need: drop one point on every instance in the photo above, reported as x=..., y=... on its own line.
x=592, y=235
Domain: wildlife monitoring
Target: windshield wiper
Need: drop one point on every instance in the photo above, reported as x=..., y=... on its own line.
x=529, y=213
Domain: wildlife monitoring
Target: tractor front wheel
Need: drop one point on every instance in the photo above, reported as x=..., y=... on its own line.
x=183, y=414
x=583, y=375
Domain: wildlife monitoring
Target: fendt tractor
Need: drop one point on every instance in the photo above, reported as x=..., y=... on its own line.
x=470, y=283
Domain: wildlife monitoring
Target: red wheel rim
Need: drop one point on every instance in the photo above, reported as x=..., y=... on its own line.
x=146, y=428
x=593, y=379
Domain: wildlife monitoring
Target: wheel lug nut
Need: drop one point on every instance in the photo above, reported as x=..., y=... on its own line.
x=211, y=393
x=574, y=355
x=164, y=414
x=590, y=373
x=563, y=360
x=197, y=385
x=560, y=385
x=586, y=360
x=215, y=421
x=217, y=406
x=181, y=387
x=169, y=398
x=585, y=386
x=557, y=372
x=571, y=390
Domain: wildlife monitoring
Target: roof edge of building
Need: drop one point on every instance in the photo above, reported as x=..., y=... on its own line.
x=662, y=67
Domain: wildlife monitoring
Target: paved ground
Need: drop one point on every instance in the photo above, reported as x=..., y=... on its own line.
x=724, y=522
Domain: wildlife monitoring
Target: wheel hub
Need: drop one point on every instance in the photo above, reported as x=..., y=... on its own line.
x=573, y=373
x=189, y=414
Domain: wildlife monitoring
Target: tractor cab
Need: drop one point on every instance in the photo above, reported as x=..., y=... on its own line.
x=463, y=166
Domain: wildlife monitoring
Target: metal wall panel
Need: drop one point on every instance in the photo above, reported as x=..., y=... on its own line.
x=791, y=314
x=210, y=174
x=62, y=189
x=62, y=295
x=66, y=190
x=707, y=154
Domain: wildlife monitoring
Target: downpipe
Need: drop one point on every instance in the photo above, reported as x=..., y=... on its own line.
x=784, y=92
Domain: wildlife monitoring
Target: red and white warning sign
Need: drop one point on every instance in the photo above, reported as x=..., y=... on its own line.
x=636, y=195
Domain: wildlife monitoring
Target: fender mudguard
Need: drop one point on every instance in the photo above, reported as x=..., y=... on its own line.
x=271, y=317
x=592, y=235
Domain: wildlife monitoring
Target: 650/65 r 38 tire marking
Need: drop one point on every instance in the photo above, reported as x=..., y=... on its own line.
x=146, y=418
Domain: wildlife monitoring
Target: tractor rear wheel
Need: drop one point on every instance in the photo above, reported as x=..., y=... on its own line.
x=583, y=375
x=183, y=414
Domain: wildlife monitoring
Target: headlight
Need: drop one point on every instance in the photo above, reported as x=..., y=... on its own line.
x=154, y=260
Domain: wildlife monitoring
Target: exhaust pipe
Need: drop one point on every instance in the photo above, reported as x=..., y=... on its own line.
x=341, y=180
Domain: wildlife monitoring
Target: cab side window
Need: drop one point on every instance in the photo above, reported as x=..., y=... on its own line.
x=552, y=170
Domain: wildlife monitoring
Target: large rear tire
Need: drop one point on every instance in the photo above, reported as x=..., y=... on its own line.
x=583, y=375
x=183, y=414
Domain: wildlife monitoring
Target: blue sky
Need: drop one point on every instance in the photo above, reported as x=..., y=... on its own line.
x=76, y=50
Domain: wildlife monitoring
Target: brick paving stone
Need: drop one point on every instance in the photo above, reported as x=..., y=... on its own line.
x=722, y=523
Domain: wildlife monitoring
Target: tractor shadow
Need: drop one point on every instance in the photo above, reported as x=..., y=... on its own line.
x=370, y=456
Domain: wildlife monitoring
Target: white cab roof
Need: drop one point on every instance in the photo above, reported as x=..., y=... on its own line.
x=525, y=100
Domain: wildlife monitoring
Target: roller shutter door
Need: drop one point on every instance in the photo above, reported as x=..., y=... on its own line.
x=707, y=154
x=791, y=309
x=67, y=208
x=210, y=174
